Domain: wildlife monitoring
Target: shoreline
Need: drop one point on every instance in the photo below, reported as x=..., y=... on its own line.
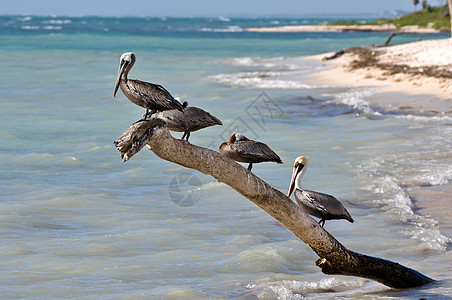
x=426, y=200
x=417, y=92
x=404, y=93
x=345, y=28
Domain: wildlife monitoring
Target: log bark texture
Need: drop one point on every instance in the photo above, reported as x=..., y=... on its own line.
x=334, y=257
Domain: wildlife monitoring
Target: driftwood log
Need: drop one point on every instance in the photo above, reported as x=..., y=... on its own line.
x=399, y=33
x=335, y=259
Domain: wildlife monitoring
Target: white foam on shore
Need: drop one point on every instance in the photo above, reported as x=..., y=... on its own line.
x=426, y=118
x=355, y=98
x=232, y=28
x=391, y=182
x=269, y=64
x=398, y=202
x=262, y=80
x=269, y=73
x=294, y=289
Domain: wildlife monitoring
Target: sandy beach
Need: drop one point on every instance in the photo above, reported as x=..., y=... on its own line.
x=418, y=91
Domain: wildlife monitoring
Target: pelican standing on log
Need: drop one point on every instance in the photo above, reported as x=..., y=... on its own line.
x=242, y=149
x=323, y=206
x=151, y=96
x=189, y=120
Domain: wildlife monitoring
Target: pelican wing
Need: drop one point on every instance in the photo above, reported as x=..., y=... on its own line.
x=316, y=200
x=327, y=204
x=192, y=118
x=155, y=93
x=256, y=150
x=197, y=118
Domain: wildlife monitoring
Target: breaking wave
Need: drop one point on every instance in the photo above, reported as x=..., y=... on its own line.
x=262, y=80
x=294, y=289
x=393, y=178
x=232, y=28
x=355, y=99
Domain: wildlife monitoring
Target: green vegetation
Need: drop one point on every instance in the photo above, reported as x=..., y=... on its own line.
x=438, y=17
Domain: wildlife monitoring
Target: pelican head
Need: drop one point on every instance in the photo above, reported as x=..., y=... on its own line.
x=240, y=137
x=299, y=168
x=236, y=137
x=181, y=101
x=232, y=139
x=126, y=63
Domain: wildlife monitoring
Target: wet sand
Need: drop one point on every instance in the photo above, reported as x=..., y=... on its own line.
x=435, y=201
x=399, y=91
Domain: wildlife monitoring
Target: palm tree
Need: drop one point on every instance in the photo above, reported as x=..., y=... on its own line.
x=424, y=4
x=415, y=2
x=449, y=3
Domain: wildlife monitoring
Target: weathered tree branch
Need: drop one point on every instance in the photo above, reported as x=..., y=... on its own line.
x=334, y=257
x=399, y=33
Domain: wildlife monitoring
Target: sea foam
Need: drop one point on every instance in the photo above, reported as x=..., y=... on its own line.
x=232, y=28
x=355, y=98
x=295, y=289
x=262, y=80
x=268, y=64
x=395, y=199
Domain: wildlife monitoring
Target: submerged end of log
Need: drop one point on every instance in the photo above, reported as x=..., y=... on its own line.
x=389, y=273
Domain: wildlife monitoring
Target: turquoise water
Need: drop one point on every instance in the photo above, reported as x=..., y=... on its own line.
x=76, y=222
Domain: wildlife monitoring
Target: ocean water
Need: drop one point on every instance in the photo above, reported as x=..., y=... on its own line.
x=76, y=222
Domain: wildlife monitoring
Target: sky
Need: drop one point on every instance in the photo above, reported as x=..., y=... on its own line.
x=204, y=7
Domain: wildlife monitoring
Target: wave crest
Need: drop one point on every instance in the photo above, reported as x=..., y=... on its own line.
x=261, y=80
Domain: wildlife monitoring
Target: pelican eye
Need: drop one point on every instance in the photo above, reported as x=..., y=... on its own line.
x=298, y=165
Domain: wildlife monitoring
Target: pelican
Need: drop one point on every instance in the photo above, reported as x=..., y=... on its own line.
x=189, y=120
x=242, y=149
x=151, y=96
x=323, y=206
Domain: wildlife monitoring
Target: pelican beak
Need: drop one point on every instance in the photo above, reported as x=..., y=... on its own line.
x=296, y=169
x=122, y=67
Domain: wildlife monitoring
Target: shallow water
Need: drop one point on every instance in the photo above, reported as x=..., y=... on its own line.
x=77, y=222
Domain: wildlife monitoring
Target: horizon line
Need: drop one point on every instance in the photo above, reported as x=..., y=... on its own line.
x=208, y=15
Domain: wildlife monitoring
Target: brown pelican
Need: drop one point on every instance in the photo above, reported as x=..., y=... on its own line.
x=241, y=149
x=189, y=120
x=323, y=206
x=151, y=96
